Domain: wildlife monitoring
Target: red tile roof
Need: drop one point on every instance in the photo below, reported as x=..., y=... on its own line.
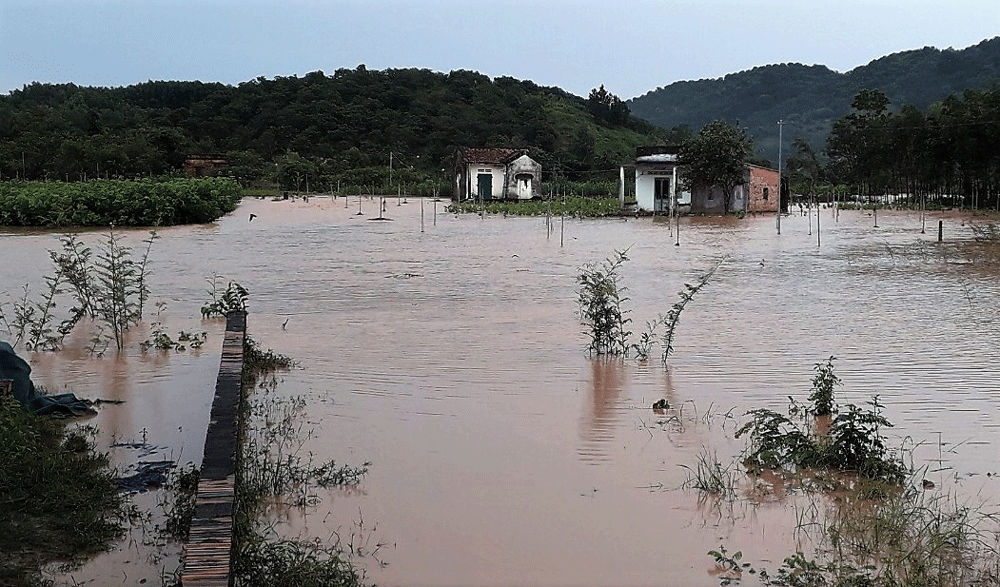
x=494, y=155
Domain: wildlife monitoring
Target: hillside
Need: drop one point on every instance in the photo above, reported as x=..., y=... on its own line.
x=811, y=98
x=349, y=120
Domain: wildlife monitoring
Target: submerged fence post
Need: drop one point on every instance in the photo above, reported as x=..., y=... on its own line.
x=940, y=229
x=209, y=550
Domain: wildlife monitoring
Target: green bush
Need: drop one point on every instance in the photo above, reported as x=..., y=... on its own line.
x=119, y=202
x=58, y=497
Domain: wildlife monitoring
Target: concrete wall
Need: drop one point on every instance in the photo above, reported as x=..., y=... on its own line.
x=518, y=185
x=645, y=186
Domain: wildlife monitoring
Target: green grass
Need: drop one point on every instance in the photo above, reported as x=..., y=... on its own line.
x=58, y=497
x=572, y=206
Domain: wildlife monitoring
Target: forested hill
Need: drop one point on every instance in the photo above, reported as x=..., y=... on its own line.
x=353, y=118
x=810, y=98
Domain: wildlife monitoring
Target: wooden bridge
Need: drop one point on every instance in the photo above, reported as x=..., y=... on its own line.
x=209, y=551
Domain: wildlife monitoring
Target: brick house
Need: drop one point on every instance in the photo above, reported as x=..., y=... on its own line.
x=758, y=193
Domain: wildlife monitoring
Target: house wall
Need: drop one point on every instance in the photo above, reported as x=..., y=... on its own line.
x=473, y=170
x=645, y=185
x=760, y=178
x=523, y=165
x=708, y=200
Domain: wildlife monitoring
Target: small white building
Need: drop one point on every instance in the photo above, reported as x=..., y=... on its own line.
x=656, y=179
x=498, y=173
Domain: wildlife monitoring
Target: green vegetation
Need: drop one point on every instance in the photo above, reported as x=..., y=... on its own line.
x=717, y=156
x=114, y=202
x=234, y=299
x=58, y=497
x=822, y=391
x=908, y=538
x=711, y=476
x=673, y=315
x=600, y=299
x=876, y=531
x=269, y=467
x=854, y=444
x=182, y=486
x=319, y=132
x=574, y=206
x=810, y=98
x=112, y=289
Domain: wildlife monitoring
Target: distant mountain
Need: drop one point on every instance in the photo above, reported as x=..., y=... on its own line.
x=810, y=98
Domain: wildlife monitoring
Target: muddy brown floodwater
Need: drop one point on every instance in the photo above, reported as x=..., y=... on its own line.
x=502, y=454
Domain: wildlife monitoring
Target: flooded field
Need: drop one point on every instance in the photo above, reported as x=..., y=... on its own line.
x=452, y=359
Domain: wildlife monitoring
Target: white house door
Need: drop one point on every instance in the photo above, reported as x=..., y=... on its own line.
x=661, y=194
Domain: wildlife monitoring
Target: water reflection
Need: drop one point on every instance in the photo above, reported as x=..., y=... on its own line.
x=607, y=380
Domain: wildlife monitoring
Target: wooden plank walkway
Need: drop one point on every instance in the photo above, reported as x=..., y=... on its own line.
x=208, y=552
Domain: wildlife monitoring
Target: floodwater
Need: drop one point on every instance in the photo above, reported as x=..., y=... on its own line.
x=452, y=359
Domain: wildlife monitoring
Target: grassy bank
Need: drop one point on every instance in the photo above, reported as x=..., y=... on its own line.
x=57, y=495
x=167, y=202
x=573, y=206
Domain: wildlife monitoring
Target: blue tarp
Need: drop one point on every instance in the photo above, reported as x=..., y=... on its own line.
x=17, y=369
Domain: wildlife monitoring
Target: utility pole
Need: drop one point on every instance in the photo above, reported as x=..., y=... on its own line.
x=778, y=216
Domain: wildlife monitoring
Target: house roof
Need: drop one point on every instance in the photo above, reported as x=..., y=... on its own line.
x=658, y=158
x=491, y=155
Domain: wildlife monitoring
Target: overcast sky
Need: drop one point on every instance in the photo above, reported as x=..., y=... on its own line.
x=630, y=46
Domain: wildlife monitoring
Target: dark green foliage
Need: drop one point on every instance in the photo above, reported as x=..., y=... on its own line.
x=854, y=445
x=116, y=202
x=717, y=156
x=290, y=563
x=945, y=152
x=58, y=497
x=600, y=298
x=234, y=299
x=319, y=129
x=607, y=107
x=822, y=391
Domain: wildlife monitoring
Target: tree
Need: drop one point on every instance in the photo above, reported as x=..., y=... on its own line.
x=717, y=156
x=607, y=107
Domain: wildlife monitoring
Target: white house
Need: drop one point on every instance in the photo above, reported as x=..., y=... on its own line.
x=656, y=179
x=498, y=173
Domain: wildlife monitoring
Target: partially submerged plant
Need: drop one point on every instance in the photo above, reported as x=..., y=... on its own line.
x=233, y=299
x=673, y=315
x=822, y=390
x=711, y=476
x=182, y=486
x=854, y=444
x=270, y=466
x=600, y=298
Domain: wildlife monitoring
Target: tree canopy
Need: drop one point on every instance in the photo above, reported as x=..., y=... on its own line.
x=717, y=156
x=310, y=126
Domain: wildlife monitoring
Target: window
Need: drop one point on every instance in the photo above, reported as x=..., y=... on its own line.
x=766, y=193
